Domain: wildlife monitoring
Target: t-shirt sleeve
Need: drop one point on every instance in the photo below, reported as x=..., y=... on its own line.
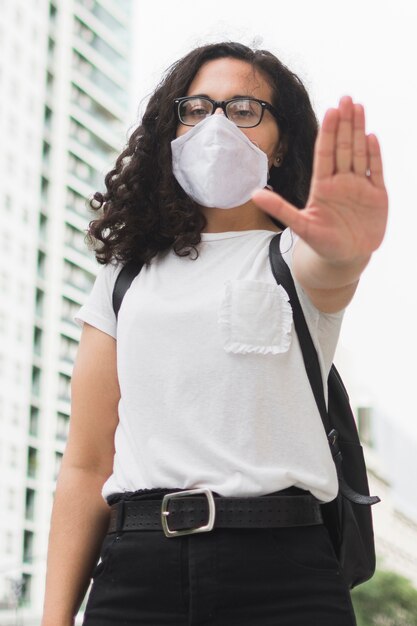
x=324, y=327
x=97, y=310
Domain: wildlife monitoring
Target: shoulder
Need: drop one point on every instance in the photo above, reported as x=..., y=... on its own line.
x=107, y=275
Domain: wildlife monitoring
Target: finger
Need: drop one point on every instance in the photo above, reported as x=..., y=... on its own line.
x=324, y=150
x=282, y=210
x=344, y=136
x=375, y=161
x=360, y=154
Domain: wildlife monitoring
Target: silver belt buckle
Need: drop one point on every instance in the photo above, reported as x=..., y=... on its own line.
x=187, y=531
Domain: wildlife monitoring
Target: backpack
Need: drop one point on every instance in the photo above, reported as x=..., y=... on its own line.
x=348, y=517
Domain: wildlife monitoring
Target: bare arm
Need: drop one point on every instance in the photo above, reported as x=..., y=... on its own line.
x=330, y=286
x=80, y=515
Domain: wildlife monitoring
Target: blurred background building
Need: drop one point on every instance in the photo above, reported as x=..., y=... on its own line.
x=65, y=68
x=391, y=460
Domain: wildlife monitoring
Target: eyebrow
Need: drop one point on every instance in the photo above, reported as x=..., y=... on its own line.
x=204, y=95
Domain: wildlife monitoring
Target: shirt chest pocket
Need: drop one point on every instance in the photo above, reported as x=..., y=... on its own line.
x=255, y=317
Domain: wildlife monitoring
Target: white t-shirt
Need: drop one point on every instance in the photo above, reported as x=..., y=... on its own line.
x=214, y=391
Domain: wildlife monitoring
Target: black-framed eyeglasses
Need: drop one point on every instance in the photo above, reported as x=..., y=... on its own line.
x=244, y=112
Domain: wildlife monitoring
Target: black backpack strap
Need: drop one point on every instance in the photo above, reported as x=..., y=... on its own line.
x=282, y=275
x=123, y=282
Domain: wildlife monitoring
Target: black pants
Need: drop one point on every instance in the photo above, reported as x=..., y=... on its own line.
x=226, y=577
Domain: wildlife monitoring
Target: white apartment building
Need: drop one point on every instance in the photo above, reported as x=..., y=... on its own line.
x=391, y=458
x=64, y=111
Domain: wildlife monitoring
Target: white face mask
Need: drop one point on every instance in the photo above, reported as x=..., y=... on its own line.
x=217, y=165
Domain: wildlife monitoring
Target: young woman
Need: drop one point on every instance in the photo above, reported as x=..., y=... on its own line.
x=205, y=387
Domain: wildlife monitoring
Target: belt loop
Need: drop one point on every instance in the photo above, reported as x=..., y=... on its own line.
x=120, y=517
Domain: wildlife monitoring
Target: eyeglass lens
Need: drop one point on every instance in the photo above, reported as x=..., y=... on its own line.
x=244, y=113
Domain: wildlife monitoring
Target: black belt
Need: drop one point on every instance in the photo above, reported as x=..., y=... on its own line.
x=197, y=510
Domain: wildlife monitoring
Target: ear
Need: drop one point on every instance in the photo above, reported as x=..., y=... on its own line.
x=281, y=150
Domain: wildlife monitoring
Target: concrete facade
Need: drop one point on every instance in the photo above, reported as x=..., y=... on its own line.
x=64, y=70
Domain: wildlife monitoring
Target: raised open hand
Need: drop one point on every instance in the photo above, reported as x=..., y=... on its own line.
x=346, y=213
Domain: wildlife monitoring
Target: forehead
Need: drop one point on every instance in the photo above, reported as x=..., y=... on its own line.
x=221, y=79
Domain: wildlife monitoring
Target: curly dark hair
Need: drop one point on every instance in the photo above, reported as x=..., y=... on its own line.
x=144, y=210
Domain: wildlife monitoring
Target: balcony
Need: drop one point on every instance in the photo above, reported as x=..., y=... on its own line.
x=104, y=43
x=100, y=71
x=104, y=15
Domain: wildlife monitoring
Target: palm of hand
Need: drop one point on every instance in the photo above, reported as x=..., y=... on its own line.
x=345, y=216
x=346, y=212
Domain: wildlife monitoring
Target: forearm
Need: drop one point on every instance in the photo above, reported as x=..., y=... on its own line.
x=330, y=285
x=79, y=523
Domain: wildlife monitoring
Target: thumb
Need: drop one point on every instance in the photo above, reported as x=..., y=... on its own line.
x=277, y=207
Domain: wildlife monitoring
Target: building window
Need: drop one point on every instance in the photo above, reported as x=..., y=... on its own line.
x=37, y=341
x=96, y=110
x=69, y=309
x=58, y=461
x=88, y=139
x=43, y=226
x=77, y=277
x=34, y=421
x=64, y=387
x=52, y=12
x=104, y=16
x=46, y=153
x=49, y=82
x=30, y=504
x=36, y=380
x=99, y=79
x=41, y=264
x=102, y=47
x=79, y=132
x=28, y=540
x=26, y=589
x=68, y=349
x=51, y=47
x=39, y=302
x=77, y=203
x=80, y=169
x=75, y=239
x=62, y=426
x=47, y=117
x=85, y=33
x=33, y=460
x=80, y=97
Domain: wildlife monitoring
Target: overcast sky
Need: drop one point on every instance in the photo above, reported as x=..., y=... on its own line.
x=364, y=48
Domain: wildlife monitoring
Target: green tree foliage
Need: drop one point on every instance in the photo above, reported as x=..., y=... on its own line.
x=386, y=600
